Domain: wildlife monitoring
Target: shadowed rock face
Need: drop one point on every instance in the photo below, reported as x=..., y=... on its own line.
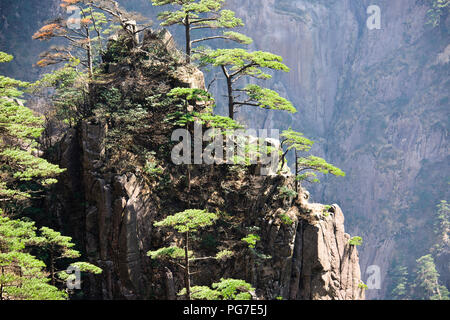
x=310, y=258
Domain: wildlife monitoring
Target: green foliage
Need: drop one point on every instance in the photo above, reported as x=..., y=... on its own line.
x=69, y=92
x=22, y=275
x=61, y=247
x=442, y=225
x=422, y=280
x=226, y=289
x=295, y=140
x=181, y=119
x=188, y=221
x=251, y=240
x=125, y=117
x=19, y=129
x=438, y=9
x=286, y=219
x=169, y=253
x=427, y=280
x=151, y=167
x=54, y=241
x=362, y=286
x=201, y=15
x=399, y=282
x=86, y=267
x=268, y=99
x=239, y=63
x=286, y=192
x=244, y=63
x=4, y=57
x=35, y=168
x=315, y=164
x=201, y=293
x=326, y=210
x=355, y=241
x=224, y=254
x=233, y=289
x=34, y=289
x=225, y=124
x=191, y=95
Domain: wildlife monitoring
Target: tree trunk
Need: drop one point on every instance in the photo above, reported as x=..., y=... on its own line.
x=89, y=55
x=230, y=98
x=52, y=268
x=187, y=275
x=296, y=173
x=90, y=62
x=188, y=38
x=1, y=287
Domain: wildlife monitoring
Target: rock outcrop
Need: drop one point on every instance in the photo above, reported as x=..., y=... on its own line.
x=309, y=259
x=303, y=252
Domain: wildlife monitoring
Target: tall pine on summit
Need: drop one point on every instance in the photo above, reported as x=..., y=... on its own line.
x=239, y=63
x=201, y=14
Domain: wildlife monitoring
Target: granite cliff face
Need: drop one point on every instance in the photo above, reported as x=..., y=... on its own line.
x=310, y=258
x=377, y=103
x=111, y=212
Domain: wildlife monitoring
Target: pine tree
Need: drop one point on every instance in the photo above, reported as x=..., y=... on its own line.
x=313, y=164
x=19, y=130
x=200, y=15
x=399, y=278
x=226, y=289
x=22, y=275
x=185, y=223
x=426, y=283
x=237, y=64
x=68, y=101
x=86, y=34
x=60, y=247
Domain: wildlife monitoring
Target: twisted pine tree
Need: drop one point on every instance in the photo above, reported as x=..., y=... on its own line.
x=198, y=15
x=237, y=64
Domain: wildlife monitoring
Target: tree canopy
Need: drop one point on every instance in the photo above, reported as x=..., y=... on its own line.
x=19, y=130
x=201, y=14
x=237, y=64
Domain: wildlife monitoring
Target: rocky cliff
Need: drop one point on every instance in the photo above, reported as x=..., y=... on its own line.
x=377, y=101
x=110, y=208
